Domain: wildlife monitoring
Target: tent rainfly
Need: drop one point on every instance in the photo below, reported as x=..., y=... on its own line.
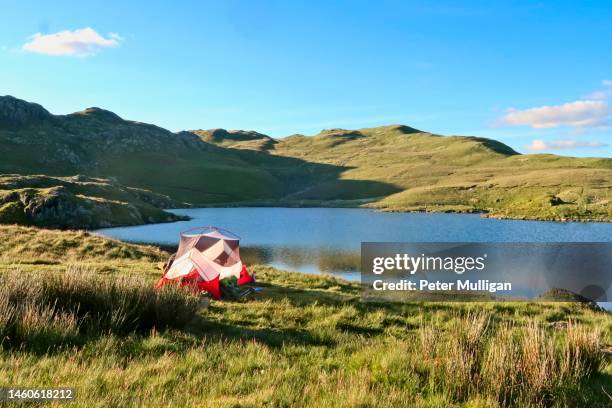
x=205, y=255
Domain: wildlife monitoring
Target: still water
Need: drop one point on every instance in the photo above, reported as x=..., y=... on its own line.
x=327, y=240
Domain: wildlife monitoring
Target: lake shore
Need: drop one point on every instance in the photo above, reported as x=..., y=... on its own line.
x=371, y=204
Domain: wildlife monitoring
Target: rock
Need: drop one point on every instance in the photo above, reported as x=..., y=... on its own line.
x=78, y=202
x=559, y=325
x=16, y=113
x=554, y=200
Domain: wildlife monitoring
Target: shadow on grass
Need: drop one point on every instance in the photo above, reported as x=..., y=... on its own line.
x=304, y=180
x=305, y=297
x=598, y=391
x=271, y=337
x=359, y=330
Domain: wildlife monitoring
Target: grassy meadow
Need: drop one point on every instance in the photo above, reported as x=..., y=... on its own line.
x=78, y=310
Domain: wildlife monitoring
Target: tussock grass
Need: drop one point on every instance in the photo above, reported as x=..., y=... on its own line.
x=43, y=311
x=510, y=364
x=309, y=341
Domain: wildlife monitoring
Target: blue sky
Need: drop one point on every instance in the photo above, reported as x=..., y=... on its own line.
x=535, y=75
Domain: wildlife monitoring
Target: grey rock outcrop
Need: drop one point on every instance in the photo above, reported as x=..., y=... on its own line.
x=16, y=113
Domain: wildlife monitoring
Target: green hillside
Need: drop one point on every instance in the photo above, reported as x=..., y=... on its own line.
x=419, y=171
x=98, y=143
x=394, y=168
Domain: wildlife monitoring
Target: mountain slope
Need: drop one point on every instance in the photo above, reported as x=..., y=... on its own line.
x=453, y=173
x=99, y=143
x=183, y=165
x=396, y=168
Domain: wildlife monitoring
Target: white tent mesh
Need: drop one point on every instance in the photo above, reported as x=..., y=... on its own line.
x=210, y=251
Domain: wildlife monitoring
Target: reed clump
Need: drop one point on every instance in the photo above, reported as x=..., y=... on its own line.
x=42, y=311
x=514, y=365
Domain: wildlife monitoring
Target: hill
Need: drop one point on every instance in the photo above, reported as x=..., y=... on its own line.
x=392, y=168
x=244, y=139
x=420, y=171
x=98, y=143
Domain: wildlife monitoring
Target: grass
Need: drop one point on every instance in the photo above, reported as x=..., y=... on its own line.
x=43, y=311
x=54, y=249
x=303, y=341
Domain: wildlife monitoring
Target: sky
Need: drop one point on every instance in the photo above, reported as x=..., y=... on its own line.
x=534, y=75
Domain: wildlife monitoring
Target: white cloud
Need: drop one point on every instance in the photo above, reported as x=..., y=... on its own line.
x=115, y=37
x=539, y=145
x=580, y=114
x=599, y=95
x=606, y=82
x=78, y=43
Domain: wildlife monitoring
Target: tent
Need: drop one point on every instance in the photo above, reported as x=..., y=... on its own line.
x=204, y=256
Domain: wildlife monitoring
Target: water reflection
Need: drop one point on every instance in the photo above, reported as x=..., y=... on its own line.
x=314, y=260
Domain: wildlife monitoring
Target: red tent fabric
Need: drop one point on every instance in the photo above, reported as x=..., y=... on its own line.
x=245, y=277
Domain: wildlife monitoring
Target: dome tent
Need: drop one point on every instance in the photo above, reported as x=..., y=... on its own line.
x=204, y=256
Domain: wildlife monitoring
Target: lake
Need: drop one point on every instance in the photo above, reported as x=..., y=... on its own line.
x=327, y=240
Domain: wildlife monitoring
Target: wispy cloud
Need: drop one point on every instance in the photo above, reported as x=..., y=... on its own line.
x=78, y=43
x=579, y=114
x=591, y=111
x=599, y=95
x=540, y=145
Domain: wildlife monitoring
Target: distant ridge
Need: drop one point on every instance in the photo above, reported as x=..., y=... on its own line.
x=242, y=138
x=99, y=113
x=494, y=145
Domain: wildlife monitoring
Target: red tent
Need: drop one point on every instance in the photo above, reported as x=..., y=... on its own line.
x=205, y=255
